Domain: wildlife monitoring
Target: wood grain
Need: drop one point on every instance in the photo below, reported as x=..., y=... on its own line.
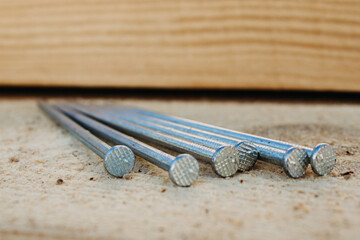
x=261, y=204
x=277, y=44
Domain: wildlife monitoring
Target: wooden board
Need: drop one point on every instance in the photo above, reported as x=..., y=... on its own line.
x=277, y=44
x=263, y=203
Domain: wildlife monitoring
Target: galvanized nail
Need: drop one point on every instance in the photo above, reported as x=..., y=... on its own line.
x=296, y=156
x=183, y=169
x=247, y=151
x=322, y=157
x=118, y=160
x=224, y=160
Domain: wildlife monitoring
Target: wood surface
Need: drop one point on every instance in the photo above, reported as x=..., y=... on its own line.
x=263, y=203
x=277, y=44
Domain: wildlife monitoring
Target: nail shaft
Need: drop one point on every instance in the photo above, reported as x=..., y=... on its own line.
x=224, y=160
x=183, y=169
x=118, y=160
x=322, y=157
x=247, y=151
x=267, y=154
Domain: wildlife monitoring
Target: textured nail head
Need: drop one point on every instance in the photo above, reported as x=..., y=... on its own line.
x=248, y=154
x=296, y=161
x=323, y=159
x=226, y=161
x=184, y=170
x=119, y=160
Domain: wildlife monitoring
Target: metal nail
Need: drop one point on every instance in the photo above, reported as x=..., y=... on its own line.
x=224, y=160
x=183, y=169
x=322, y=157
x=247, y=151
x=296, y=156
x=118, y=160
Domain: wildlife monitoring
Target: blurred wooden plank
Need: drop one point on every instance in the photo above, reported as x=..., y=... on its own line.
x=277, y=44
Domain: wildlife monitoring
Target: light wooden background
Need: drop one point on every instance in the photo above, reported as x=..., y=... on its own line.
x=249, y=44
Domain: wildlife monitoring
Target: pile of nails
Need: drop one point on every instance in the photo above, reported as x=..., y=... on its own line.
x=227, y=151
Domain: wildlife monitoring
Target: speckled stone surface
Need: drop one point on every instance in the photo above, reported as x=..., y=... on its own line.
x=261, y=204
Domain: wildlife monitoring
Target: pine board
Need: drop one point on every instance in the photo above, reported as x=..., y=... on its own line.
x=277, y=44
